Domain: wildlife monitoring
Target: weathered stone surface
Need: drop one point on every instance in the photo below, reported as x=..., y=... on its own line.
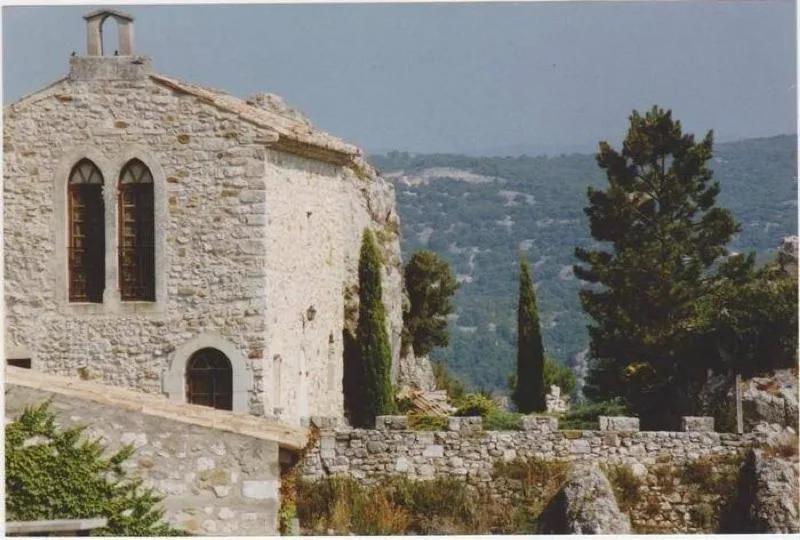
x=697, y=423
x=465, y=424
x=539, y=423
x=769, y=495
x=585, y=505
x=251, y=232
x=179, y=460
x=387, y=423
x=618, y=423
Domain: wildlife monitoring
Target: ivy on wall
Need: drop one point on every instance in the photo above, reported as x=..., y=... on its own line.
x=55, y=473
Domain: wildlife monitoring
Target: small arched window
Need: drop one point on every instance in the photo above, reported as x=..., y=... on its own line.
x=209, y=379
x=87, y=236
x=137, y=269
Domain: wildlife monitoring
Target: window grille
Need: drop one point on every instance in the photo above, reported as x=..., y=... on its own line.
x=209, y=379
x=136, y=233
x=87, y=240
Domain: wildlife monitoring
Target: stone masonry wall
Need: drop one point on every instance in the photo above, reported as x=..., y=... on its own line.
x=467, y=452
x=253, y=239
x=214, y=482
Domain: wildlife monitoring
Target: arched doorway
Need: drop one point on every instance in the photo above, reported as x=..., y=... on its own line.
x=209, y=379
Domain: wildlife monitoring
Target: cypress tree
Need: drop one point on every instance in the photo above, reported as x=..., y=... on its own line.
x=663, y=236
x=374, y=352
x=529, y=390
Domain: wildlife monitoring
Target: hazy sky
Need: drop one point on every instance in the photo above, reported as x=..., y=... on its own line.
x=458, y=77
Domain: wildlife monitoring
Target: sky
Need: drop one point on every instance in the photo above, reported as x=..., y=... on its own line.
x=504, y=78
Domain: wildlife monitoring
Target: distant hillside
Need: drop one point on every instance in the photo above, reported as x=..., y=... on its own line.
x=481, y=213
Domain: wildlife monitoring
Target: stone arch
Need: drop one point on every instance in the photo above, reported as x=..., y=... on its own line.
x=94, y=32
x=174, y=379
x=118, y=161
x=61, y=175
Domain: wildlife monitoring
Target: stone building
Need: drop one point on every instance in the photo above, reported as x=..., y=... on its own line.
x=177, y=240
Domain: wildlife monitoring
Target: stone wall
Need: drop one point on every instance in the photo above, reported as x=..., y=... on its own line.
x=257, y=248
x=215, y=482
x=659, y=461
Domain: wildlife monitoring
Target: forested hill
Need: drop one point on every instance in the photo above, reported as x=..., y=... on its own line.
x=481, y=213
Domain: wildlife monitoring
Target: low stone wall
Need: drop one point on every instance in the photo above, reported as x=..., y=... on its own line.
x=465, y=451
x=215, y=481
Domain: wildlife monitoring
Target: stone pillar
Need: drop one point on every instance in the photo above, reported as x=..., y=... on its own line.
x=618, y=423
x=125, y=30
x=540, y=424
x=94, y=37
x=697, y=423
x=465, y=424
x=391, y=423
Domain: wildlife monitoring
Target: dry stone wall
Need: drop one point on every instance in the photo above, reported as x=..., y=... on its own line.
x=465, y=451
x=214, y=482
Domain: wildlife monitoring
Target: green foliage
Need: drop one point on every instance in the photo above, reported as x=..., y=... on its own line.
x=427, y=422
x=430, y=285
x=475, y=405
x=626, y=486
x=584, y=415
x=375, y=394
x=659, y=219
x=554, y=373
x=749, y=318
x=57, y=474
x=557, y=373
x=500, y=420
x=529, y=391
x=464, y=223
x=447, y=382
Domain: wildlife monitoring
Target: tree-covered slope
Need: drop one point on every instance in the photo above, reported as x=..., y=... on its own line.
x=480, y=214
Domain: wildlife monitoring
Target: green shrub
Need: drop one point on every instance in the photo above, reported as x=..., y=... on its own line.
x=65, y=476
x=584, y=416
x=475, y=405
x=447, y=382
x=427, y=422
x=498, y=420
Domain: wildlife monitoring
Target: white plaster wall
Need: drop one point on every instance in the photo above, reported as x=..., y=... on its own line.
x=316, y=214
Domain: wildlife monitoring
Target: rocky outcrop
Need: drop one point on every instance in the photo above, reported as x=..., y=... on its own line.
x=768, y=500
x=585, y=505
x=416, y=372
x=771, y=399
x=787, y=254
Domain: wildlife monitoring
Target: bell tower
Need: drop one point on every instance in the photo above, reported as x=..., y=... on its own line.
x=97, y=64
x=94, y=31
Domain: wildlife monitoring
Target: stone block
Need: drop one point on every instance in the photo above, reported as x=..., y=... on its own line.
x=391, y=423
x=618, y=423
x=260, y=489
x=542, y=424
x=697, y=423
x=434, y=450
x=465, y=424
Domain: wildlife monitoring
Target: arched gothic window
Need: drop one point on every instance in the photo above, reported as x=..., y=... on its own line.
x=136, y=233
x=87, y=240
x=209, y=379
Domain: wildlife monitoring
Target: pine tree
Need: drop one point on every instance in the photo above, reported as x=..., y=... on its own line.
x=430, y=285
x=374, y=353
x=665, y=234
x=529, y=385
